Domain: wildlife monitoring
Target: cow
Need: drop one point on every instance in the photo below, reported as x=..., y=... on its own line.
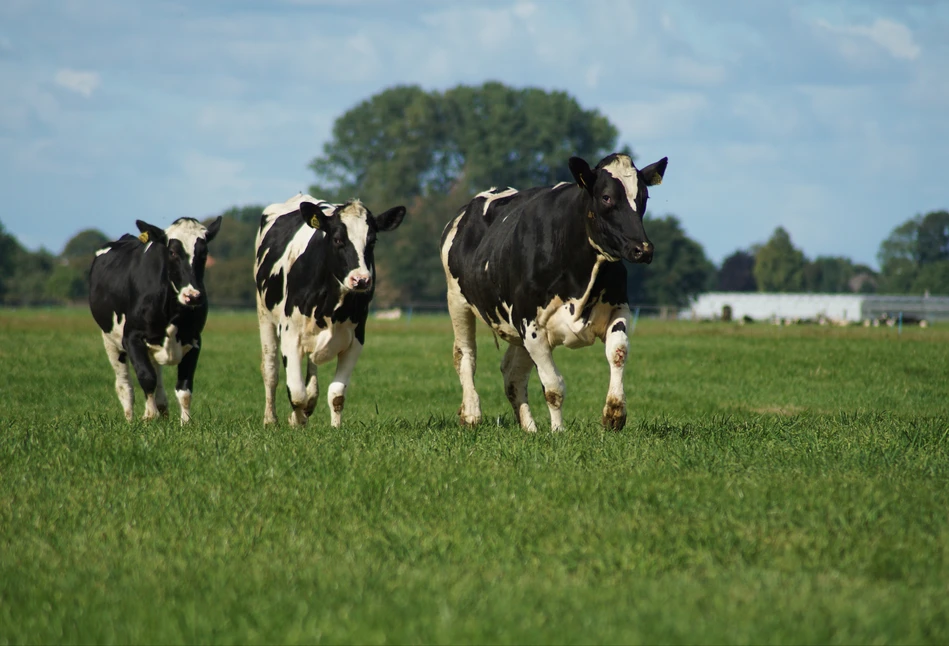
x=147, y=295
x=541, y=267
x=315, y=275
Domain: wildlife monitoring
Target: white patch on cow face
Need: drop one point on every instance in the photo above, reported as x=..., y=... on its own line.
x=622, y=168
x=187, y=231
x=490, y=195
x=356, y=220
x=103, y=251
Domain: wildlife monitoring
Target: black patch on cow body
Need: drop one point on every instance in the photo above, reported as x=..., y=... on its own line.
x=536, y=248
x=619, y=326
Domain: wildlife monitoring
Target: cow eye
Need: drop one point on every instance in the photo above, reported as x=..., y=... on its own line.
x=338, y=242
x=607, y=200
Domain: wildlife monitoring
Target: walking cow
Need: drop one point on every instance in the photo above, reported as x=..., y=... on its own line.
x=542, y=268
x=147, y=295
x=315, y=277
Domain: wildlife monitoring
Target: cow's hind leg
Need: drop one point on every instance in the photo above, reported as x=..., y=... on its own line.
x=465, y=353
x=617, y=348
x=516, y=367
x=123, y=385
x=535, y=342
x=268, y=367
x=161, y=397
x=336, y=393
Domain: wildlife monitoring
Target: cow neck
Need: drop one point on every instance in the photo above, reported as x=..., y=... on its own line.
x=327, y=292
x=590, y=259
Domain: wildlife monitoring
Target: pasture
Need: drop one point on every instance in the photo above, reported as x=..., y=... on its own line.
x=782, y=485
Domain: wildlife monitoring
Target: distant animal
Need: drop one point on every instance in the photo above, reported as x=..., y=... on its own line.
x=542, y=268
x=147, y=295
x=315, y=275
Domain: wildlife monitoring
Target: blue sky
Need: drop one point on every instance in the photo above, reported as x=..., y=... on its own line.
x=828, y=118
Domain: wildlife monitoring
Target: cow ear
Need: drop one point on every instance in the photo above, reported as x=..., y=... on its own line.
x=213, y=228
x=151, y=233
x=391, y=219
x=582, y=173
x=653, y=172
x=313, y=215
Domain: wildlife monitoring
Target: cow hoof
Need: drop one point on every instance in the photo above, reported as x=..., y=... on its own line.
x=614, y=415
x=468, y=419
x=298, y=418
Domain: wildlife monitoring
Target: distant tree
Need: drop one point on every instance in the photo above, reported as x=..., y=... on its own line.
x=229, y=277
x=84, y=244
x=679, y=269
x=27, y=285
x=737, y=273
x=932, y=278
x=909, y=249
x=10, y=250
x=431, y=151
x=66, y=284
x=779, y=265
x=828, y=274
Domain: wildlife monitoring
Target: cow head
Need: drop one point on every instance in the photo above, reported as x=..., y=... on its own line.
x=349, y=237
x=616, y=202
x=186, y=245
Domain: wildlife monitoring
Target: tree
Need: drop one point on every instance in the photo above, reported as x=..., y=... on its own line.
x=779, y=266
x=230, y=267
x=933, y=279
x=737, y=273
x=679, y=269
x=431, y=151
x=828, y=274
x=932, y=238
x=909, y=249
x=84, y=244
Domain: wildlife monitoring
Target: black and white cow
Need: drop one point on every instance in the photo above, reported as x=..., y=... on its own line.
x=542, y=268
x=315, y=275
x=147, y=295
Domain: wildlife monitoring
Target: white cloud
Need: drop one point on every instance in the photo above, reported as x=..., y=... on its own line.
x=84, y=83
x=896, y=38
x=674, y=115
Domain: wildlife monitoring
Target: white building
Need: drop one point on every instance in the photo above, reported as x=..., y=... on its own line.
x=852, y=308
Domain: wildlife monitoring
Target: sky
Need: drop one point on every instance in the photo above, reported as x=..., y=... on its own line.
x=830, y=119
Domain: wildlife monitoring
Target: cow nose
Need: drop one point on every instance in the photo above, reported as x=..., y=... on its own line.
x=642, y=252
x=360, y=281
x=190, y=296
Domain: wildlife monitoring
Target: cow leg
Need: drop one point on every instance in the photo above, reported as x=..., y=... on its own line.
x=268, y=367
x=161, y=397
x=336, y=393
x=123, y=386
x=293, y=363
x=617, y=347
x=465, y=352
x=185, y=384
x=312, y=387
x=516, y=367
x=141, y=360
x=535, y=342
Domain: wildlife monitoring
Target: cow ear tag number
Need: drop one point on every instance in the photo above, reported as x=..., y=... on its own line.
x=314, y=222
x=143, y=236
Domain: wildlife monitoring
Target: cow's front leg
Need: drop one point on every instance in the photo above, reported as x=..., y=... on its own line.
x=516, y=367
x=336, y=393
x=536, y=344
x=161, y=397
x=141, y=359
x=184, y=387
x=123, y=386
x=293, y=363
x=617, y=348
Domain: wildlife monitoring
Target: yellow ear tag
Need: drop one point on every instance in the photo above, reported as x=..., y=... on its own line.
x=315, y=222
x=590, y=214
x=143, y=236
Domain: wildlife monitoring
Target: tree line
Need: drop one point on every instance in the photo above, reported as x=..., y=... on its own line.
x=432, y=151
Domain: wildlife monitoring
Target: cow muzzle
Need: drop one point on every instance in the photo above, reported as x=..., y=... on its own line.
x=359, y=282
x=640, y=252
x=190, y=296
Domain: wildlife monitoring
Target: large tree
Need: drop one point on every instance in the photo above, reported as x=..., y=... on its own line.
x=910, y=257
x=779, y=265
x=737, y=273
x=431, y=151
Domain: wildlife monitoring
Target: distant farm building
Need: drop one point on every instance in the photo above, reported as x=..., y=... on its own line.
x=825, y=308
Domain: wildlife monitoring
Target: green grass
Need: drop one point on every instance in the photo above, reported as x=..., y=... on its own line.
x=782, y=485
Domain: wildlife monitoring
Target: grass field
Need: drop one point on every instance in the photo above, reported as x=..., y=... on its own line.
x=782, y=485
